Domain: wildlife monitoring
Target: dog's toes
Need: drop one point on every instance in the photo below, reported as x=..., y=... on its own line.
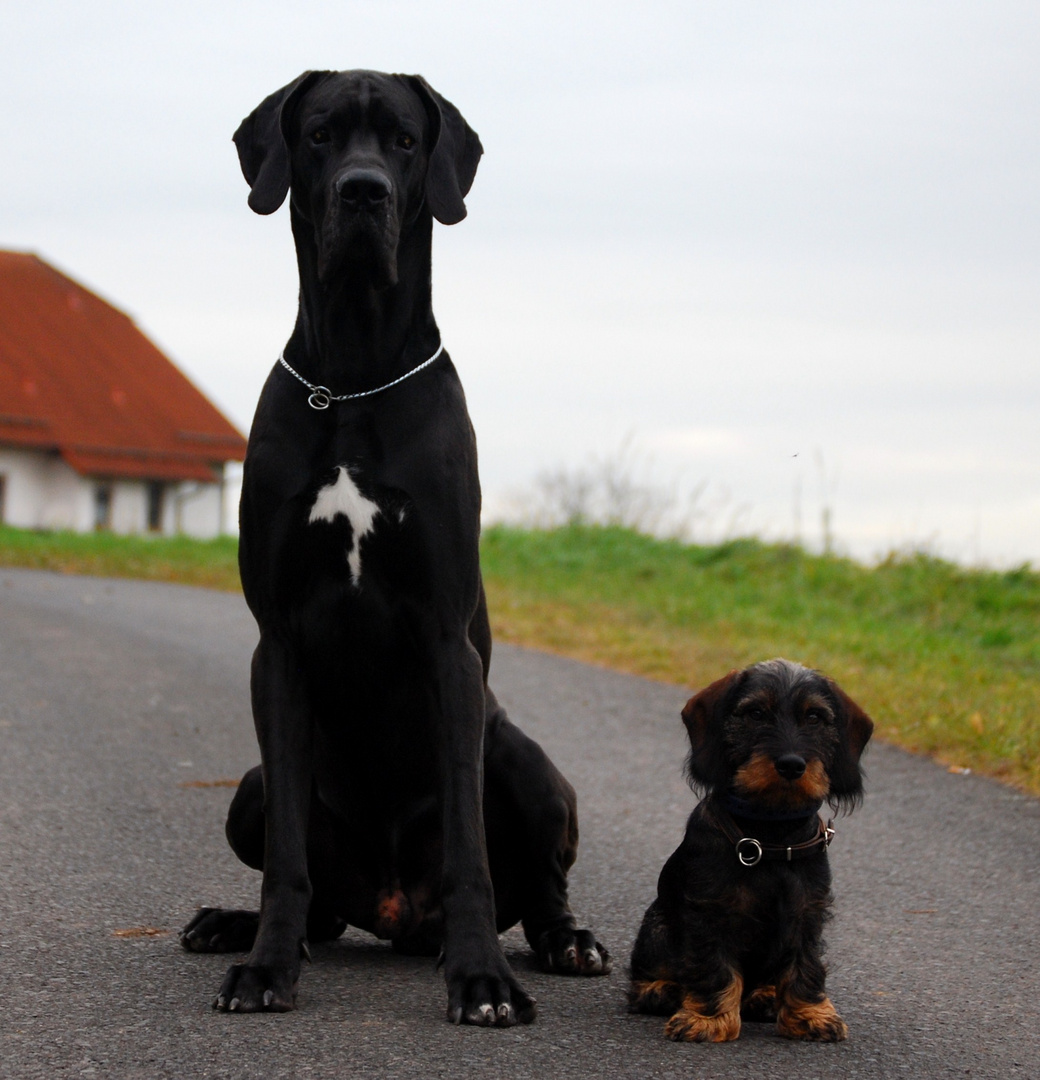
x=249, y=989
x=490, y=1002
x=816, y=1022
x=481, y=1016
x=689, y=1025
x=566, y=951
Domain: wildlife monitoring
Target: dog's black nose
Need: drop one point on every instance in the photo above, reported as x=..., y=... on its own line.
x=363, y=188
x=790, y=766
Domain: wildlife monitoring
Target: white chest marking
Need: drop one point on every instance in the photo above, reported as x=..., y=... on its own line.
x=343, y=497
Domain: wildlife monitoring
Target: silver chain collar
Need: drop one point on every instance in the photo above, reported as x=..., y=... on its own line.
x=321, y=397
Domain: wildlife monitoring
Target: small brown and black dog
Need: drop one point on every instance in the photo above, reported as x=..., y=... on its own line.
x=735, y=931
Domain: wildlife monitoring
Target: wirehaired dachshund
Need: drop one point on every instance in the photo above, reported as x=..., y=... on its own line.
x=735, y=931
x=393, y=793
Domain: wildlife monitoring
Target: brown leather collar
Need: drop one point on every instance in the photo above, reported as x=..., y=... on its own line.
x=750, y=852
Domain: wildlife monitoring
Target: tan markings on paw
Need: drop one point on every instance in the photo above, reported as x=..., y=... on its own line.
x=653, y=995
x=817, y=1022
x=718, y=1022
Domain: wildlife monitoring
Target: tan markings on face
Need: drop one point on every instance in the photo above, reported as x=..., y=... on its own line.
x=758, y=778
x=814, y=1021
x=717, y=1021
x=757, y=775
x=814, y=782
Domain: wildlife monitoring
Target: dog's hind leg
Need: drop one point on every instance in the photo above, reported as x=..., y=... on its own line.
x=654, y=988
x=228, y=929
x=234, y=930
x=532, y=808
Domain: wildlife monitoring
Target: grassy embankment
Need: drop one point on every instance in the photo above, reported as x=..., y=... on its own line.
x=210, y=563
x=946, y=659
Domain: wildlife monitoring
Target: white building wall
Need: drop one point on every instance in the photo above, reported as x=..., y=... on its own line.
x=129, y=507
x=42, y=492
x=197, y=509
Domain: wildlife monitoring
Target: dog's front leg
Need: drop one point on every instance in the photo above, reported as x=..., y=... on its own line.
x=481, y=986
x=267, y=980
x=803, y=1009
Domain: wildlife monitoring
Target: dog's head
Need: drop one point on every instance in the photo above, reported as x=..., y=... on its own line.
x=779, y=735
x=364, y=154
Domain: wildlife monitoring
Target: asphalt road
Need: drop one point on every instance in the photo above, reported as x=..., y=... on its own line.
x=120, y=701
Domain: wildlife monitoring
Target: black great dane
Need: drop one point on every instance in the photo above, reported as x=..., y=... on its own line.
x=393, y=792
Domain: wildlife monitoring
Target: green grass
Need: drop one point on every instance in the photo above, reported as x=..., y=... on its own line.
x=945, y=659
x=211, y=563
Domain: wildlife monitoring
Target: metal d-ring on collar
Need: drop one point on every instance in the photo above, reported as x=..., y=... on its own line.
x=750, y=852
x=321, y=397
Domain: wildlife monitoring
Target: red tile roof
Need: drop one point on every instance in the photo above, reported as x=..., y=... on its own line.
x=77, y=376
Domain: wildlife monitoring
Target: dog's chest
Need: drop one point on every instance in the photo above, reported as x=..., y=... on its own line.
x=341, y=502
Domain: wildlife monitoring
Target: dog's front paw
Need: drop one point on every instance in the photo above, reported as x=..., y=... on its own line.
x=818, y=1022
x=220, y=930
x=492, y=1000
x=566, y=951
x=257, y=988
x=690, y=1024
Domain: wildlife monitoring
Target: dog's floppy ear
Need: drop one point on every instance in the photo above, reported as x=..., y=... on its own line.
x=855, y=729
x=453, y=156
x=263, y=151
x=707, y=767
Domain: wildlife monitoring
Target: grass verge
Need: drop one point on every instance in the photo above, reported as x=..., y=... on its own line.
x=946, y=659
x=209, y=563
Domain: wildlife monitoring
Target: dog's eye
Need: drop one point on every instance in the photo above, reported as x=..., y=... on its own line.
x=755, y=712
x=405, y=141
x=320, y=135
x=815, y=716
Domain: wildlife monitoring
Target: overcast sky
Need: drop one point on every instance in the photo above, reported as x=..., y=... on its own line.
x=786, y=252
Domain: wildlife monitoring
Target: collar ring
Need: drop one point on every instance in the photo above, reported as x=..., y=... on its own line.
x=749, y=851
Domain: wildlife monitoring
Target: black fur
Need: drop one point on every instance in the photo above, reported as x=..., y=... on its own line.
x=723, y=940
x=393, y=793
